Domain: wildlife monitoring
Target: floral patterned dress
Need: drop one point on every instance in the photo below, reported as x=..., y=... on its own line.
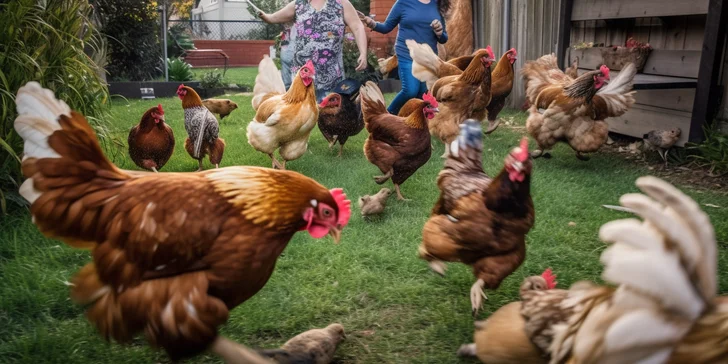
x=320, y=35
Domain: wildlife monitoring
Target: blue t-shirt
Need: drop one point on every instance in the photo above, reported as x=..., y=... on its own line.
x=414, y=19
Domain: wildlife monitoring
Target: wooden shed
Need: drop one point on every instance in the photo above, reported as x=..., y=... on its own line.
x=681, y=85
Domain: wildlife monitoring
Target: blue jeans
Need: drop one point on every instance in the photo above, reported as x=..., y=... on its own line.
x=411, y=87
x=286, y=61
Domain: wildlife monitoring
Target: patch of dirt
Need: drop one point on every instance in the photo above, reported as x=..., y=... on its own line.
x=688, y=174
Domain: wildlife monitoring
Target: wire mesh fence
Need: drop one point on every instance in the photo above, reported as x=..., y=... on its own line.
x=227, y=29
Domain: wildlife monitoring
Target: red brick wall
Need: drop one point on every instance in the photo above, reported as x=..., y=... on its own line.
x=241, y=52
x=382, y=44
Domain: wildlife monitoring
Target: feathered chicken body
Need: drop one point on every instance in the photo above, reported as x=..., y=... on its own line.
x=664, y=308
x=315, y=346
x=479, y=221
x=151, y=142
x=202, y=128
x=573, y=110
x=340, y=118
x=500, y=88
x=222, y=107
x=171, y=270
x=283, y=119
x=462, y=94
x=397, y=145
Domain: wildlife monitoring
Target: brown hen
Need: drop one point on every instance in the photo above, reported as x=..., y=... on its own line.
x=173, y=253
x=151, y=142
x=478, y=220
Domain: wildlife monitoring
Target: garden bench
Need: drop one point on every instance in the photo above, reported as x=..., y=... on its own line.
x=192, y=55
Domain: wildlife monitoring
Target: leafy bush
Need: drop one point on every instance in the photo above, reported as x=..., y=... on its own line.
x=179, y=70
x=351, y=56
x=178, y=40
x=44, y=42
x=132, y=30
x=212, y=79
x=712, y=152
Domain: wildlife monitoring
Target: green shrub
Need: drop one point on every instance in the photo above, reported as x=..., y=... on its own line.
x=178, y=40
x=132, y=29
x=44, y=41
x=712, y=152
x=212, y=79
x=351, y=55
x=179, y=70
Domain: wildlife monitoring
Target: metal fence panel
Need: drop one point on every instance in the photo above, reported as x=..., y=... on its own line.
x=228, y=29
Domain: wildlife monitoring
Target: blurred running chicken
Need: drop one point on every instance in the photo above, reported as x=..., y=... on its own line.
x=573, y=110
x=283, y=119
x=478, y=220
x=173, y=253
x=664, y=308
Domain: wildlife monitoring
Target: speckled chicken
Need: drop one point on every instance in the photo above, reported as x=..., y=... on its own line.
x=202, y=128
x=316, y=346
x=662, y=140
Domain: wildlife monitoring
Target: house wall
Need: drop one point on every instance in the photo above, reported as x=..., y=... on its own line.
x=382, y=44
x=224, y=10
x=241, y=52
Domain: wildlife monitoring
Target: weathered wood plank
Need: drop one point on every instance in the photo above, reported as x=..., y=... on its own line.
x=673, y=99
x=652, y=82
x=620, y=9
x=590, y=58
x=673, y=63
x=694, y=32
x=675, y=29
x=640, y=120
x=565, y=13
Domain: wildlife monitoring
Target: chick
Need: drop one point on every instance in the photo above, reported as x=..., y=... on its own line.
x=573, y=71
x=373, y=205
x=662, y=141
x=223, y=107
x=316, y=346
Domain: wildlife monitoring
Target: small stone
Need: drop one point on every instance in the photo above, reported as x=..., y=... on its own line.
x=571, y=223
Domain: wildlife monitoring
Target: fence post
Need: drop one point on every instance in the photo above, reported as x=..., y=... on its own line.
x=163, y=10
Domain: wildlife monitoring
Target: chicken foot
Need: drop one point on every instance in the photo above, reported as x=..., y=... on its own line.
x=438, y=267
x=341, y=150
x=399, y=194
x=582, y=157
x=477, y=294
x=155, y=170
x=333, y=141
x=199, y=165
x=546, y=154
x=492, y=125
x=381, y=179
x=276, y=164
x=234, y=353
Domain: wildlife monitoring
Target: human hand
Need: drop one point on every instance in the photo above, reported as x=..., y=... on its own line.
x=436, y=27
x=361, y=63
x=264, y=17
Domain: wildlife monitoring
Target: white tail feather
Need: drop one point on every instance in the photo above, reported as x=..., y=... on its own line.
x=622, y=83
x=38, y=113
x=268, y=80
x=425, y=63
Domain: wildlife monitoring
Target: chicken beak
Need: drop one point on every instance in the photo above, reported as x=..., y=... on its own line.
x=436, y=109
x=335, y=233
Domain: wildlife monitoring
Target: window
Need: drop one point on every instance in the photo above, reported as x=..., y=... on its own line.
x=213, y=1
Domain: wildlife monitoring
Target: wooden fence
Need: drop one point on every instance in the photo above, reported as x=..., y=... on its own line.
x=533, y=32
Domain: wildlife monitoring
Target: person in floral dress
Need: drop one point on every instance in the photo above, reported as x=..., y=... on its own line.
x=319, y=27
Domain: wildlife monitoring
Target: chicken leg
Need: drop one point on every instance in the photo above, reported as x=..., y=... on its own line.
x=276, y=164
x=341, y=150
x=582, y=157
x=477, y=294
x=381, y=179
x=399, y=194
x=467, y=350
x=155, y=170
x=333, y=141
x=234, y=353
x=199, y=163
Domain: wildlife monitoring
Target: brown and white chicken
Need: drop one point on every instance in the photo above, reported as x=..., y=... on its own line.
x=569, y=110
x=664, y=308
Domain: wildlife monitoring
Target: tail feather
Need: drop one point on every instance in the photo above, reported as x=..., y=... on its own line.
x=425, y=63
x=372, y=100
x=268, y=81
x=38, y=111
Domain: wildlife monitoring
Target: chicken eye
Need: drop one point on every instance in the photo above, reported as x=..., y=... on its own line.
x=327, y=212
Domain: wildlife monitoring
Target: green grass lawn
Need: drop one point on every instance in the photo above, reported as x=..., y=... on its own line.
x=394, y=309
x=237, y=75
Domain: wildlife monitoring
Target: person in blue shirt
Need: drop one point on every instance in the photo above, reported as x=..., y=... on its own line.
x=420, y=20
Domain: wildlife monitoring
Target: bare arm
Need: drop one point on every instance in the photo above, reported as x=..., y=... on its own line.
x=286, y=15
x=351, y=19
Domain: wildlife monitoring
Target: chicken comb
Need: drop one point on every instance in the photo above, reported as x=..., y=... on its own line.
x=522, y=155
x=605, y=71
x=343, y=204
x=490, y=52
x=513, y=50
x=550, y=278
x=181, y=86
x=161, y=110
x=430, y=99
